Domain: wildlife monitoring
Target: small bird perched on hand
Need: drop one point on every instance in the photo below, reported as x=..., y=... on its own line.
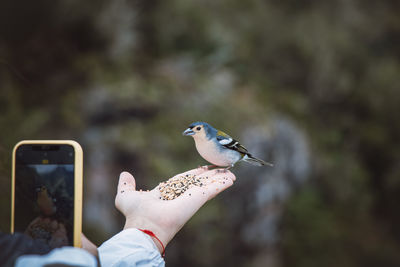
x=218, y=148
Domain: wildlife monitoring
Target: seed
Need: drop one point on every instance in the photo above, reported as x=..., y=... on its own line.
x=176, y=186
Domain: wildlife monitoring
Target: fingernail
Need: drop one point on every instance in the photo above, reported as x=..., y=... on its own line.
x=124, y=174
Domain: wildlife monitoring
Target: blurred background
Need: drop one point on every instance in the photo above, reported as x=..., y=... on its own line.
x=312, y=86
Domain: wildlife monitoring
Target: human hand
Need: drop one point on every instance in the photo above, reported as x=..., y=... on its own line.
x=146, y=210
x=88, y=245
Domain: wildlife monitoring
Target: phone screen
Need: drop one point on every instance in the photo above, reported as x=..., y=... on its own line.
x=44, y=193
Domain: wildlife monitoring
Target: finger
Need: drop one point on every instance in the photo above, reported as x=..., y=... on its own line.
x=196, y=196
x=126, y=184
x=218, y=184
x=215, y=174
x=88, y=245
x=126, y=181
x=197, y=171
x=217, y=181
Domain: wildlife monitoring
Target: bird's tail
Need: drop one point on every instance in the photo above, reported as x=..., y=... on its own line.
x=255, y=161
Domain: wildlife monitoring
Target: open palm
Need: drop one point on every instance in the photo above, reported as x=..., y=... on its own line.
x=146, y=209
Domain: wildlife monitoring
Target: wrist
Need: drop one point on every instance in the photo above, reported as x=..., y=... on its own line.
x=159, y=244
x=158, y=239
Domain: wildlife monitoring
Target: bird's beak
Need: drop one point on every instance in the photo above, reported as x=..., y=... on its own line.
x=188, y=132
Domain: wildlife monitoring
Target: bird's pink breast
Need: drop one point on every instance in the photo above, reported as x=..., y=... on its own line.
x=210, y=152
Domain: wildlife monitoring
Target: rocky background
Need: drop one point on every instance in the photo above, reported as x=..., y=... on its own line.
x=312, y=86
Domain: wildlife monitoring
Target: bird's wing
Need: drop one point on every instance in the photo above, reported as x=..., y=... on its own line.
x=230, y=143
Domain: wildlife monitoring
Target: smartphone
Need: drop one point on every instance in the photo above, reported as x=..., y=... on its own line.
x=46, y=193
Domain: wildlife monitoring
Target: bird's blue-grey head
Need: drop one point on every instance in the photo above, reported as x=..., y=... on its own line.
x=199, y=126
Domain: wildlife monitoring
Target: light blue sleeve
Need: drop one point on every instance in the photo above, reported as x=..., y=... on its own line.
x=130, y=247
x=66, y=256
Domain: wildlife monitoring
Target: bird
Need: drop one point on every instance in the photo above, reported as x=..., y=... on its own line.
x=219, y=148
x=45, y=202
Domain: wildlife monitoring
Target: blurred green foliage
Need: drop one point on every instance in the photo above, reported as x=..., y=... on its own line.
x=133, y=74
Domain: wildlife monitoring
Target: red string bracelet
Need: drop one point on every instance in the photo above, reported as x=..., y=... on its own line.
x=150, y=233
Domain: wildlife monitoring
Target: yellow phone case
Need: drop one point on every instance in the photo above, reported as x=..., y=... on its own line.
x=78, y=174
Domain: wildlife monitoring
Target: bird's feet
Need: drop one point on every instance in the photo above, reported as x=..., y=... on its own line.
x=219, y=170
x=224, y=170
x=207, y=167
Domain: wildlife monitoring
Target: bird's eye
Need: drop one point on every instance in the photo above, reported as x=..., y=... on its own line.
x=198, y=128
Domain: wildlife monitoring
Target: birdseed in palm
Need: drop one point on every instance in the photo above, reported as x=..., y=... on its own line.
x=178, y=185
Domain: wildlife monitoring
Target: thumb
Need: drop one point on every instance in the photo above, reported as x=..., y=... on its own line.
x=126, y=184
x=126, y=180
